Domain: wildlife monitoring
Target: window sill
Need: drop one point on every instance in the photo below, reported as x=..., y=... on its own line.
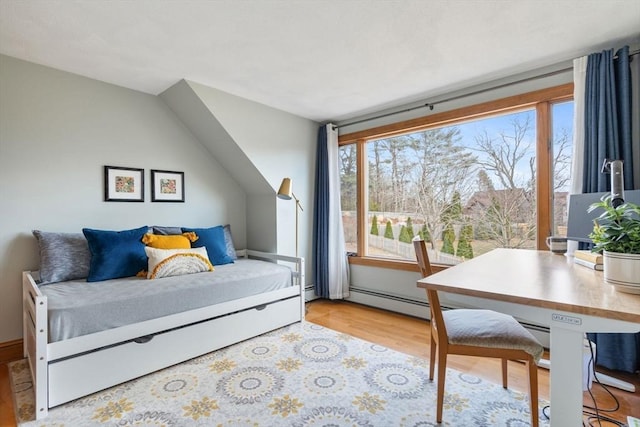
x=392, y=264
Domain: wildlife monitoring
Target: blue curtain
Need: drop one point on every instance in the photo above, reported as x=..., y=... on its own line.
x=330, y=266
x=608, y=136
x=321, y=218
x=607, y=118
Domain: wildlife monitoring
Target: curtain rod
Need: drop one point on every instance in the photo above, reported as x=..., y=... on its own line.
x=430, y=105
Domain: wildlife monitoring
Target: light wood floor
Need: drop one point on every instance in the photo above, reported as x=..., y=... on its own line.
x=411, y=336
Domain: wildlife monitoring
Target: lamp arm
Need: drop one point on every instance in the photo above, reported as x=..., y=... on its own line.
x=298, y=204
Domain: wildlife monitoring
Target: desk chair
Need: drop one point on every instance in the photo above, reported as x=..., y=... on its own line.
x=483, y=333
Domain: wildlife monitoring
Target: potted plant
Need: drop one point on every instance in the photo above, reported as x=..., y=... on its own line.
x=616, y=233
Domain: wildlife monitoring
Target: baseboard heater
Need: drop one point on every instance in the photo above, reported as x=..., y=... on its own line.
x=309, y=293
x=412, y=307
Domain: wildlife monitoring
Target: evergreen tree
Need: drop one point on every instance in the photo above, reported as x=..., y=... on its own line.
x=464, y=249
x=404, y=235
x=410, y=231
x=388, y=231
x=424, y=234
x=456, y=206
x=484, y=182
x=449, y=235
x=453, y=212
x=374, y=226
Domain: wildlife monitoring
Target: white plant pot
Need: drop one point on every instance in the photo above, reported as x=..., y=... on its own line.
x=622, y=271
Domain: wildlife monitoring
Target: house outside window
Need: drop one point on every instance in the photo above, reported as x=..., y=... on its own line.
x=498, y=177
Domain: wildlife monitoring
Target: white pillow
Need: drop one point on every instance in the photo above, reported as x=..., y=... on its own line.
x=176, y=262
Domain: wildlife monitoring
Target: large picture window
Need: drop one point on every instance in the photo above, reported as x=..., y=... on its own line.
x=467, y=181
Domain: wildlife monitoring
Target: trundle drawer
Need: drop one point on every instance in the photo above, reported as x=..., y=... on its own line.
x=84, y=374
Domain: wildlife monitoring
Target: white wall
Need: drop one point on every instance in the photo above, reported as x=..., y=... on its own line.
x=280, y=145
x=57, y=131
x=447, y=101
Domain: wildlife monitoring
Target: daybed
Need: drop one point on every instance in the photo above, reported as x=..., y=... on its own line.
x=82, y=337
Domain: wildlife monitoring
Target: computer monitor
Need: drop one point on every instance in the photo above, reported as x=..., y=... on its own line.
x=580, y=222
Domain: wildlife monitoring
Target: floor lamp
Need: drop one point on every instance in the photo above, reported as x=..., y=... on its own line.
x=285, y=193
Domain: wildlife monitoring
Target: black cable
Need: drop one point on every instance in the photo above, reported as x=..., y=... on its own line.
x=591, y=417
x=615, y=399
x=591, y=368
x=597, y=416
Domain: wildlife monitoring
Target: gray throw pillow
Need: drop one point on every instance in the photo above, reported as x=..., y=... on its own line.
x=166, y=231
x=63, y=256
x=228, y=241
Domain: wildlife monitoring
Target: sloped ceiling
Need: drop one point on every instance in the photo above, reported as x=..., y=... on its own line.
x=322, y=60
x=202, y=122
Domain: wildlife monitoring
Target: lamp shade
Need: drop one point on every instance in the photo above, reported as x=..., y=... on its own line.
x=285, y=189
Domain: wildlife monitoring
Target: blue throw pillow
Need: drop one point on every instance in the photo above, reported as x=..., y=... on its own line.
x=115, y=254
x=228, y=239
x=212, y=239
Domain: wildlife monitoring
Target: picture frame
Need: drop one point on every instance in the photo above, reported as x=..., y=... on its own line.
x=167, y=186
x=123, y=184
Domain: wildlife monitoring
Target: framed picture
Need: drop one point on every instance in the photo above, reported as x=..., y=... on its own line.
x=123, y=184
x=167, y=186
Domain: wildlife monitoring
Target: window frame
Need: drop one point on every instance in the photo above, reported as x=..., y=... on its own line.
x=540, y=100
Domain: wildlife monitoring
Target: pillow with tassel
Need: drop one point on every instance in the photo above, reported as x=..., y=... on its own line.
x=177, y=241
x=176, y=262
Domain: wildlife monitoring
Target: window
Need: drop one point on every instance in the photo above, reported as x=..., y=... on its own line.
x=562, y=125
x=347, y=162
x=467, y=181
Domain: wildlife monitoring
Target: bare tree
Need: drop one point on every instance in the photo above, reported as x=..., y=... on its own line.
x=506, y=217
x=443, y=168
x=394, y=154
x=348, y=175
x=561, y=159
x=502, y=155
x=376, y=183
x=507, y=214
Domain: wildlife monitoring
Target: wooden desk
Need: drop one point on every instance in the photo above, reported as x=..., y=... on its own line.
x=550, y=290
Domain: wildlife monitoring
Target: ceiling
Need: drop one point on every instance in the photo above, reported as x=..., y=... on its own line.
x=324, y=59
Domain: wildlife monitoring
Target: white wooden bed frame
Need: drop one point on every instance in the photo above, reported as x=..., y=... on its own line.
x=66, y=370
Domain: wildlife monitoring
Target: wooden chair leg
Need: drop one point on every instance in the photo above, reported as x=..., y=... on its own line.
x=533, y=391
x=442, y=373
x=432, y=359
x=504, y=373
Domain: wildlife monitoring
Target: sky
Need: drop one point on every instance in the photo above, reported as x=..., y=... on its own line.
x=562, y=114
x=562, y=119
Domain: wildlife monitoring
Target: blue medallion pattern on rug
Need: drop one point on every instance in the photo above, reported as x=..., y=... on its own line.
x=302, y=375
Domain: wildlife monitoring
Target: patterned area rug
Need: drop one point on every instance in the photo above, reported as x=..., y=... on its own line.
x=301, y=375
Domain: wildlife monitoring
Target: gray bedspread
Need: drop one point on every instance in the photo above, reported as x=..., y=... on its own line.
x=78, y=307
